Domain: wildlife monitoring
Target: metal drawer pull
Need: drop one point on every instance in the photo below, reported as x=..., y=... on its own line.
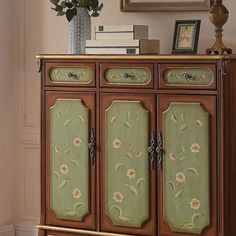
x=73, y=75
x=131, y=76
x=92, y=146
x=188, y=76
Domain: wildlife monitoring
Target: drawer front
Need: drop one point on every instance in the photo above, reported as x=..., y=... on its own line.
x=70, y=74
x=126, y=75
x=188, y=76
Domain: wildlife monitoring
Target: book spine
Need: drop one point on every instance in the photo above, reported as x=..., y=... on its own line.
x=114, y=35
x=118, y=28
x=128, y=51
x=124, y=43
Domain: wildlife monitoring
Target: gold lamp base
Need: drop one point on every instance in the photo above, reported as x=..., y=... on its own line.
x=218, y=16
x=219, y=48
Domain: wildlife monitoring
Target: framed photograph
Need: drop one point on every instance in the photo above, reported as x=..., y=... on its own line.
x=165, y=5
x=186, y=36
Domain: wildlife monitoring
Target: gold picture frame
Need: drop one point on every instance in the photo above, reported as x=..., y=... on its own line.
x=163, y=5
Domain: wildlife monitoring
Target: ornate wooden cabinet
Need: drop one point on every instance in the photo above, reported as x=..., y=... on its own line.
x=138, y=145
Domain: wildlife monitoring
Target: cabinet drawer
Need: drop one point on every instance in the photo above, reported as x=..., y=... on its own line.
x=126, y=75
x=73, y=74
x=191, y=76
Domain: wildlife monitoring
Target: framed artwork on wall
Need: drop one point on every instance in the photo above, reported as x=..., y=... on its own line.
x=186, y=36
x=165, y=5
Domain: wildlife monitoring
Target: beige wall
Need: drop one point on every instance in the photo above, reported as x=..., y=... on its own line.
x=38, y=30
x=161, y=25
x=7, y=138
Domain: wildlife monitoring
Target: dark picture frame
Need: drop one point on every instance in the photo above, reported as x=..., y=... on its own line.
x=186, y=36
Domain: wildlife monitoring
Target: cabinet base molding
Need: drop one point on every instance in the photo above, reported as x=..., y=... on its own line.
x=78, y=231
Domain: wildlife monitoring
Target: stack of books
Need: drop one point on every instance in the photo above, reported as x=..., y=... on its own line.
x=124, y=39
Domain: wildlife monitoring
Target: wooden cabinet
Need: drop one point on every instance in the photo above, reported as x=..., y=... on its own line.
x=138, y=145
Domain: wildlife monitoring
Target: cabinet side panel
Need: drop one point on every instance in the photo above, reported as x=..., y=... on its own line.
x=229, y=149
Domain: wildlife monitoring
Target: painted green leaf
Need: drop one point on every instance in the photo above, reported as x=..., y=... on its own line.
x=188, y=226
x=67, y=112
x=179, y=193
x=183, y=158
x=118, y=209
x=57, y=150
x=127, y=124
x=59, y=113
x=66, y=151
x=137, y=116
x=183, y=127
x=130, y=146
x=182, y=149
x=57, y=175
x=118, y=166
x=78, y=205
x=63, y=183
x=195, y=217
x=132, y=189
x=199, y=123
x=67, y=122
x=71, y=213
x=129, y=155
x=81, y=118
x=75, y=163
x=139, y=181
x=173, y=117
x=183, y=116
x=193, y=170
x=171, y=183
x=128, y=115
x=123, y=218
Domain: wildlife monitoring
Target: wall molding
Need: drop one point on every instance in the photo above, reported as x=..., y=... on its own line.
x=7, y=230
x=26, y=228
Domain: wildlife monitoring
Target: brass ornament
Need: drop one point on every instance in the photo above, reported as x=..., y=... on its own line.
x=218, y=16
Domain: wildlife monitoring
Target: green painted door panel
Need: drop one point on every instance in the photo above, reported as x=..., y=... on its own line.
x=186, y=193
x=127, y=163
x=69, y=159
x=188, y=76
x=78, y=75
x=133, y=76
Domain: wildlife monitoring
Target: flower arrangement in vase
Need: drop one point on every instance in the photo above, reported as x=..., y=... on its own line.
x=78, y=13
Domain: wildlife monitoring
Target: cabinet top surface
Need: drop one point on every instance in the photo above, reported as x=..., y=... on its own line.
x=136, y=57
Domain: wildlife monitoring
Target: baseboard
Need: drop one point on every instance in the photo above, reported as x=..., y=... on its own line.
x=7, y=230
x=26, y=229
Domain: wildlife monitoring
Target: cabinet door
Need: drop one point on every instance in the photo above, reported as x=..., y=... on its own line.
x=70, y=171
x=128, y=175
x=187, y=182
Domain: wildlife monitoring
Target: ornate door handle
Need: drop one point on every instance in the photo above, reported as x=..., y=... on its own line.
x=159, y=150
x=92, y=146
x=151, y=150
